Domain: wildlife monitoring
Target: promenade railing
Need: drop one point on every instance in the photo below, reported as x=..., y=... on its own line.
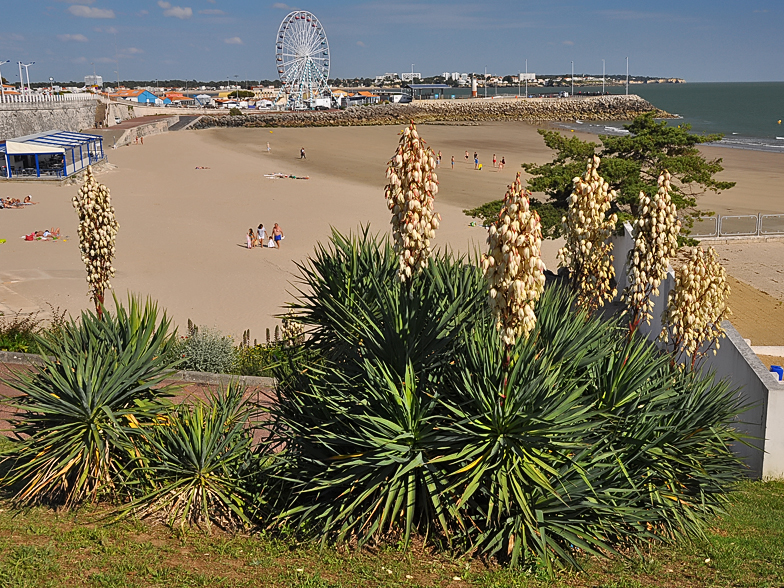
x=44, y=98
x=739, y=225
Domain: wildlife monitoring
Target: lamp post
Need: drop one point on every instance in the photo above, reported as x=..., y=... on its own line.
x=27, y=70
x=2, y=87
x=572, y=79
x=526, y=78
x=627, y=76
x=518, y=83
x=485, y=84
x=602, y=77
x=51, y=85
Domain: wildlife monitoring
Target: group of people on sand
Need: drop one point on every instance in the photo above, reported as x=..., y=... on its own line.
x=45, y=235
x=16, y=203
x=258, y=238
x=478, y=166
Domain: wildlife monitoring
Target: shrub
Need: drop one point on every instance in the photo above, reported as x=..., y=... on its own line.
x=197, y=463
x=235, y=111
x=83, y=410
x=206, y=350
x=413, y=421
x=17, y=333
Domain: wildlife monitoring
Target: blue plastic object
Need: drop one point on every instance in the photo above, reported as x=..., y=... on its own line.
x=778, y=370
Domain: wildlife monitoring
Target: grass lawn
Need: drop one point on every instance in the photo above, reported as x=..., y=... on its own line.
x=40, y=547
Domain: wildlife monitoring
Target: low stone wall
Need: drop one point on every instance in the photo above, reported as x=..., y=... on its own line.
x=531, y=109
x=19, y=119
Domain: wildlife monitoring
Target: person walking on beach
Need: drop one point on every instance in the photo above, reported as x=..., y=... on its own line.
x=494, y=160
x=502, y=164
x=268, y=147
x=439, y=159
x=466, y=156
x=476, y=161
x=302, y=153
x=251, y=238
x=277, y=235
x=262, y=235
x=453, y=162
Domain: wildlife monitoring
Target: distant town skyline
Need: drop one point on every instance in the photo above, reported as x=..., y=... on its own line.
x=699, y=40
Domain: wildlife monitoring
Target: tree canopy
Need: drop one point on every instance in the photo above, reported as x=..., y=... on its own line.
x=631, y=164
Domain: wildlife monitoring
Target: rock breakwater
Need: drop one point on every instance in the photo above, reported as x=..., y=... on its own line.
x=531, y=110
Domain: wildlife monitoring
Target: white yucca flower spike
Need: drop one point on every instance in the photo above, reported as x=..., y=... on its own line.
x=697, y=305
x=655, y=242
x=97, y=234
x=410, y=193
x=513, y=266
x=587, y=227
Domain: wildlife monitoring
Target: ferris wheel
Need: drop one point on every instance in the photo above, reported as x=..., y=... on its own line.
x=302, y=57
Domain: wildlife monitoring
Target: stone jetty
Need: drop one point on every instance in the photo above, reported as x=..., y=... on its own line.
x=449, y=111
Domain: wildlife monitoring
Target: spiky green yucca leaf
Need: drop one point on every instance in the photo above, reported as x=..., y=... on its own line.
x=82, y=410
x=197, y=462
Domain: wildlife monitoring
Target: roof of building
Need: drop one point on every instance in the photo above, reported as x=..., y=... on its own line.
x=48, y=142
x=367, y=94
x=428, y=86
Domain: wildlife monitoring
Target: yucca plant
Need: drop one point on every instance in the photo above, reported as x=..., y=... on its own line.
x=419, y=419
x=198, y=462
x=82, y=412
x=359, y=424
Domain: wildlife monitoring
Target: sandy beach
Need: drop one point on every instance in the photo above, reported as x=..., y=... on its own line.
x=182, y=229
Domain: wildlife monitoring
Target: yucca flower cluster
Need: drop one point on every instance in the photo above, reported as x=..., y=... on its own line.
x=410, y=192
x=697, y=305
x=655, y=242
x=514, y=266
x=587, y=252
x=97, y=234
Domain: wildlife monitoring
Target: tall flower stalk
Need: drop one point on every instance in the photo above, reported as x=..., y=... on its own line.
x=513, y=266
x=697, y=306
x=410, y=193
x=655, y=242
x=97, y=233
x=587, y=226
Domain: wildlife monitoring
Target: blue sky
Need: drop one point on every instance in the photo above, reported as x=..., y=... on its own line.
x=699, y=40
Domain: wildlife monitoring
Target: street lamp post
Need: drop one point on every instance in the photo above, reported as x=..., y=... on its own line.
x=602, y=77
x=2, y=87
x=572, y=79
x=518, y=83
x=526, y=78
x=27, y=70
x=485, y=84
x=627, y=76
x=51, y=85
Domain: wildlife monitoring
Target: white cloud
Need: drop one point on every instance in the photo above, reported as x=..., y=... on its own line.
x=361, y=44
x=133, y=51
x=105, y=60
x=90, y=12
x=78, y=38
x=282, y=6
x=176, y=11
x=233, y=41
x=568, y=42
x=80, y=60
x=212, y=12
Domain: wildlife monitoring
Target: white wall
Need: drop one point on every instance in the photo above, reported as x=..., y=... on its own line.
x=736, y=362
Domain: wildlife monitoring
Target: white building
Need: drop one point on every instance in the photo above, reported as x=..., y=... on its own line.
x=410, y=76
x=531, y=77
x=93, y=81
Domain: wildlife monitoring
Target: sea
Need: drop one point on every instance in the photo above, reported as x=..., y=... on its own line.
x=750, y=115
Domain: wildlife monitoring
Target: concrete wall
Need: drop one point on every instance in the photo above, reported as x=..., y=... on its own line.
x=21, y=119
x=736, y=362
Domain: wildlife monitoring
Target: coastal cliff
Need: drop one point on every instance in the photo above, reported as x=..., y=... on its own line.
x=531, y=110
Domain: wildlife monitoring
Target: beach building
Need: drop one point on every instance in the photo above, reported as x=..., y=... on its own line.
x=140, y=96
x=52, y=155
x=179, y=99
x=427, y=91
